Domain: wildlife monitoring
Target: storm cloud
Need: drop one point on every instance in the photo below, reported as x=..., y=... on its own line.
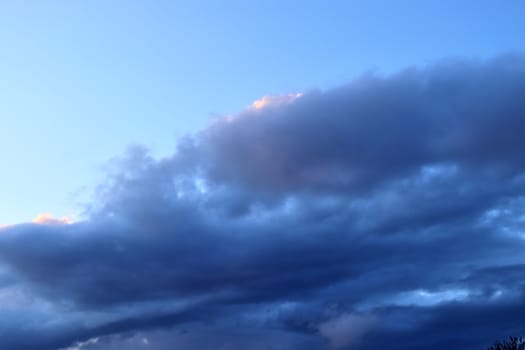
x=388, y=211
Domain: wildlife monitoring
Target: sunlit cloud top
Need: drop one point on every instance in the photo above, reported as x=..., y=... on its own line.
x=275, y=100
x=48, y=219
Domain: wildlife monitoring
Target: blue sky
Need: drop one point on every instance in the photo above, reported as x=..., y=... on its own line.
x=82, y=80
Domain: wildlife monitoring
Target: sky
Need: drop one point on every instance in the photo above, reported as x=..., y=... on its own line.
x=261, y=175
x=82, y=80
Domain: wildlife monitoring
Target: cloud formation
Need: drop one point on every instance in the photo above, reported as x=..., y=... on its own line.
x=389, y=211
x=48, y=219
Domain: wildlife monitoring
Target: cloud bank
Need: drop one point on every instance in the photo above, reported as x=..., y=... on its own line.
x=386, y=212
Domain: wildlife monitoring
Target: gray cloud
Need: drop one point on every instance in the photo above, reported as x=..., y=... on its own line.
x=399, y=198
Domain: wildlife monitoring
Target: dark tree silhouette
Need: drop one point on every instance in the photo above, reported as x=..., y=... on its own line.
x=513, y=343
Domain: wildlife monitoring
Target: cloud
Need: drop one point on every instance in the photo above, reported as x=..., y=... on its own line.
x=347, y=329
x=84, y=344
x=282, y=226
x=276, y=100
x=48, y=219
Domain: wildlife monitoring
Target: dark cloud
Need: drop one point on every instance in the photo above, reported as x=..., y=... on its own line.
x=388, y=211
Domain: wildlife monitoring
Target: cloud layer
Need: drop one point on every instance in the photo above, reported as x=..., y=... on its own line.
x=389, y=211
